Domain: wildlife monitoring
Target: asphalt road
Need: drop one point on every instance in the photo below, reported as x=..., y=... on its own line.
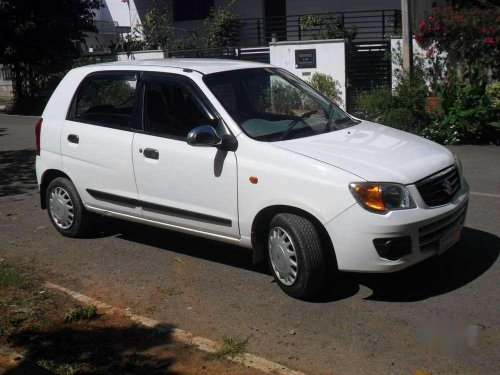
x=441, y=316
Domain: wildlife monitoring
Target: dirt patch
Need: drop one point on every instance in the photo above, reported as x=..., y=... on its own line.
x=36, y=336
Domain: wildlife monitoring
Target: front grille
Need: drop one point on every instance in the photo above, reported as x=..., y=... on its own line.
x=430, y=234
x=439, y=188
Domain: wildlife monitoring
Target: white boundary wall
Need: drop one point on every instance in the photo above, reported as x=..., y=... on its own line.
x=330, y=59
x=141, y=55
x=397, y=44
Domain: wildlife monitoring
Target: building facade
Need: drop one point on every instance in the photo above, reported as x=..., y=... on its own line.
x=114, y=21
x=371, y=19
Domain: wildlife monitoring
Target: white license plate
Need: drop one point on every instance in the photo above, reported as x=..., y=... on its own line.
x=450, y=239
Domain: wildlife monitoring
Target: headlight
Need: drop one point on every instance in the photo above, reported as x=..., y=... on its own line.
x=382, y=197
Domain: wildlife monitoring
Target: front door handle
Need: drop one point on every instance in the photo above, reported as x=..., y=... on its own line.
x=73, y=138
x=151, y=153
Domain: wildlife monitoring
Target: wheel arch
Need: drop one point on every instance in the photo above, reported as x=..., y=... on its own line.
x=261, y=223
x=48, y=176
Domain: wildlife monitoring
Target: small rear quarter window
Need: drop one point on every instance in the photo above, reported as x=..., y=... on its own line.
x=106, y=100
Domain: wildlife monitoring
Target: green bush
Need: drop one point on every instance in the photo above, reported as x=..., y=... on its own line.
x=467, y=114
x=493, y=92
x=402, y=109
x=334, y=29
x=467, y=110
x=328, y=86
x=325, y=27
x=492, y=129
x=461, y=58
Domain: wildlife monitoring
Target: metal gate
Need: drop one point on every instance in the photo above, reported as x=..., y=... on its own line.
x=368, y=66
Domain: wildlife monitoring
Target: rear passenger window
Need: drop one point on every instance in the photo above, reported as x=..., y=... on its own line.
x=107, y=100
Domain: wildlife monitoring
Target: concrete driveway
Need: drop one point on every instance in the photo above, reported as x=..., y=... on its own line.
x=441, y=316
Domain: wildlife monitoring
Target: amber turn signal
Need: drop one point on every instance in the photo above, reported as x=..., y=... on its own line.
x=370, y=195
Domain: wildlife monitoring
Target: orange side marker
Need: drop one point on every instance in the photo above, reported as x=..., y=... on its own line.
x=253, y=179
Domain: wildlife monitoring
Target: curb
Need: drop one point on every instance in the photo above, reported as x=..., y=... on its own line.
x=180, y=335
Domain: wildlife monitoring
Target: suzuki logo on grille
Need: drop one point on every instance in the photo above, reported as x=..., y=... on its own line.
x=447, y=187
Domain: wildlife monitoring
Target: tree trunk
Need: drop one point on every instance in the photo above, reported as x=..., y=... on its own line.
x=18, y=81
x=18, y=85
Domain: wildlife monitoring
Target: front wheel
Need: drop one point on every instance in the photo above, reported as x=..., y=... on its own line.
x=296, y=257
x=65, y=208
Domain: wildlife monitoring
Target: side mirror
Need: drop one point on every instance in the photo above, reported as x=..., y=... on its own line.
x=204, y=136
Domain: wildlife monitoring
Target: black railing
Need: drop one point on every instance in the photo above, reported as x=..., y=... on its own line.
x=111, y=27
x=224, y=52
x=357, y=25
x=258, y=54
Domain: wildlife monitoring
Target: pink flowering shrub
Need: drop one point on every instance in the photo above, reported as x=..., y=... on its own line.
x=469, y=36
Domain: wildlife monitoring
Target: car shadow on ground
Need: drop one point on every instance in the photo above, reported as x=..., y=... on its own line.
x=463, y=263
x=469, y=259
x=110, y=350
x=17, y=171
x=184, y=244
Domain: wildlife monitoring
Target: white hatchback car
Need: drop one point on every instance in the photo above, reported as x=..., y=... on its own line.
x=248, y=154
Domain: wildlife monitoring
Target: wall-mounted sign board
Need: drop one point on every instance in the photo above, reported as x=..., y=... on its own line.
x=305, y=58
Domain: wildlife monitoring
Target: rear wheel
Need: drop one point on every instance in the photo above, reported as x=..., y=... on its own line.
x=295, y=255
x=65, y=208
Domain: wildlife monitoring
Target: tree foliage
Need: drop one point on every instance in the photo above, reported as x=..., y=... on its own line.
x=37, y=39
x=221, y=27
x=157, y=28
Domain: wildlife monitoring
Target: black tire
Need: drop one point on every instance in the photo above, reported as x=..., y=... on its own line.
x=310, y=257
x=81, y=217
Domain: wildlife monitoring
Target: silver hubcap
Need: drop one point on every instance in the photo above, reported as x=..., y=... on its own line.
x=61, y=208
x=283, y=256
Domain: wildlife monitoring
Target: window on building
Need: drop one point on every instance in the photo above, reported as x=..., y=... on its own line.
x=185, y=10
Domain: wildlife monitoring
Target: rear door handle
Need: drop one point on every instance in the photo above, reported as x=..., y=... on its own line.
x=73, y=138
x=151, y=153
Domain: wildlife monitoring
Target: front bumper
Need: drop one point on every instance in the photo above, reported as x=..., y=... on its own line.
x=352, y=233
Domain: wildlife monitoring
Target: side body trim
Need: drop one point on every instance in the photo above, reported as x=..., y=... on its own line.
x=148, y=206
x=212, y=236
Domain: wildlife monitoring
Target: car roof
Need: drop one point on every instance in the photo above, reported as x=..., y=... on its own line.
x=204, y=66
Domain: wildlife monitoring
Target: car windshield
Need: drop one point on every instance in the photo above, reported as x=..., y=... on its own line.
x=270, y=104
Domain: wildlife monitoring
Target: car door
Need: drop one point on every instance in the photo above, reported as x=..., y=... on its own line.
x=96, y=141
x=178, y=184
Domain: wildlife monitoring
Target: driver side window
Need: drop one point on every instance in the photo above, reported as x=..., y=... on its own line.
x=171, y=110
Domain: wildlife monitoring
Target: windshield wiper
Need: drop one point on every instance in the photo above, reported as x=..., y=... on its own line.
x=296, y=121
x=344, y=120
